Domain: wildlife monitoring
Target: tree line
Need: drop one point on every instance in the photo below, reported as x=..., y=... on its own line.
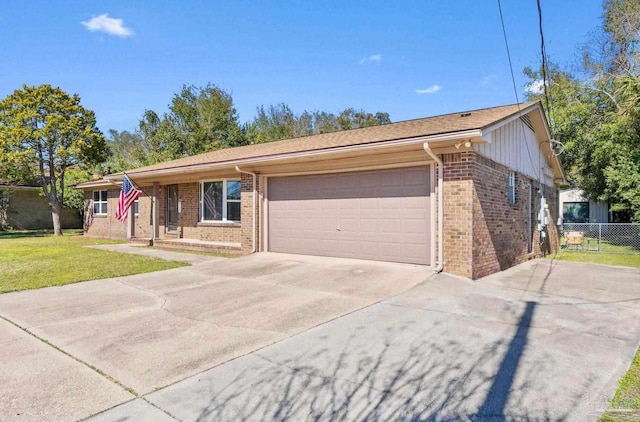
x=202, y=119
x=47, y=137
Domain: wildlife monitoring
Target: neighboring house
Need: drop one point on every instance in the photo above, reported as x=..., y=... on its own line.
x=25, y=208
x=459, y=192
x=576, y=209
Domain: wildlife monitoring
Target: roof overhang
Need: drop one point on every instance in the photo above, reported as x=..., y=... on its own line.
x=443, y=140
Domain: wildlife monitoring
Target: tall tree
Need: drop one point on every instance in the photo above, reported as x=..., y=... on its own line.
x=200, y=119
x=47, y=126
x=597, y=115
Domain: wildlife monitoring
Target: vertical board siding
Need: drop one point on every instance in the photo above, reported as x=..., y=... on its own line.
x=509, y=147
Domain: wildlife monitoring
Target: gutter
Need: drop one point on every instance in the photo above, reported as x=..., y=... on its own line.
x=253, y=246
x=440, y=261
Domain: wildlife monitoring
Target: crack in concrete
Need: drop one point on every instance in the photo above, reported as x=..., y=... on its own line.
x=172, y=313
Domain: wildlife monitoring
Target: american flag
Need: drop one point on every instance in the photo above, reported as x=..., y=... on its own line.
x=128, y=195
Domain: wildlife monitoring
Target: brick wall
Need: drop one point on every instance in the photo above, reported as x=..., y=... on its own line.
x=483, y=232
x=247, y=212
x=143, y=223
x=28, y=209
x=103, y=225
x=458, y=213
x=500, y=229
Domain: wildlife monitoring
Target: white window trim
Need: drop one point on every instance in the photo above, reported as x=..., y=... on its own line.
x=224, y=200
x=94, y=202
x=133, y=206
x=511, y=194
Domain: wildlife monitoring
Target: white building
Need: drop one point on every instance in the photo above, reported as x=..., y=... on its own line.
x=576, y=209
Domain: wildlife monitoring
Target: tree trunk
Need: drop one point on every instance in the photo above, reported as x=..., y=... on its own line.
x=56, y=211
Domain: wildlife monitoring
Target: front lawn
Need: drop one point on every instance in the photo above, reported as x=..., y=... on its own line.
x=31, y=260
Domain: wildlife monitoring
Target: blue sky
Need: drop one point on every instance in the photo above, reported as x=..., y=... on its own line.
x=408, y=58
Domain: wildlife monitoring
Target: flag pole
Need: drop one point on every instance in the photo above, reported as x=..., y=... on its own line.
x=135, y=185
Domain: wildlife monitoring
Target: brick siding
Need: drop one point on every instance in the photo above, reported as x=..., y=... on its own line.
x=103, y=225
x=483, y=232
x=28, y=209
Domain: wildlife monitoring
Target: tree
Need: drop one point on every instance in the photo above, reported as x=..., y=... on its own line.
x=596, y=114
x=280, y=122
x=46, y=126
x=200, y=119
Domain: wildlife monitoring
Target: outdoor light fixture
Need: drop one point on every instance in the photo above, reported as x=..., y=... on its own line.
x=467, y=144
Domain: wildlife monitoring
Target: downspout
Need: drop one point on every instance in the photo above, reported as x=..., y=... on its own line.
x=440, y=262
x=253, y=248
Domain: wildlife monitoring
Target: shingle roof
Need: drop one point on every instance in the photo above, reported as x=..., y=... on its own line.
x=447, y=123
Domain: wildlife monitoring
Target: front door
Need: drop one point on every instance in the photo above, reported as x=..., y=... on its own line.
x=172, y=209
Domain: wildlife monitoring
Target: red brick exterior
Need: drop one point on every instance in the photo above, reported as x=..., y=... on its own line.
x=483, y=232
x=103, y=225
x=189, y=226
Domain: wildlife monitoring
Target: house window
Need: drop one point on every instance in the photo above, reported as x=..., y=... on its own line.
x=575, y=212
x=220, y=201
x=99, y=202
x=136, y=206
x=512, y=187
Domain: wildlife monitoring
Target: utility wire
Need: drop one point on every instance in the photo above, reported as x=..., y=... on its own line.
x=536, y=170
x=545, y=67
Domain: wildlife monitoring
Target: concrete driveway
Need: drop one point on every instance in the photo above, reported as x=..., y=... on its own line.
x=542, y=341
x=69, y=352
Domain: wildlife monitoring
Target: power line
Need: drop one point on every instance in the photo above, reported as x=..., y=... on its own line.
x=515, y=90
x=545, y=66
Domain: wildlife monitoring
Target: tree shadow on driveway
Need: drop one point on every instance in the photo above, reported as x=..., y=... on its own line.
x=407, y=370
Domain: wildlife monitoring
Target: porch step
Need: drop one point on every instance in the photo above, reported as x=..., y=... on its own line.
x=198, y=245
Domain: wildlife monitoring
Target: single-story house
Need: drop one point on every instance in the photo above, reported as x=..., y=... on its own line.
x=26, y=208
x=576, y=208
x=460, y=192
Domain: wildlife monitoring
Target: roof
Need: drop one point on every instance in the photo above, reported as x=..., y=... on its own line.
x=447, y=123
x=466, y=124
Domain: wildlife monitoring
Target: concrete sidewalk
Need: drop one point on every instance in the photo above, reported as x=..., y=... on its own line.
x=167, y=255
x=542, y=341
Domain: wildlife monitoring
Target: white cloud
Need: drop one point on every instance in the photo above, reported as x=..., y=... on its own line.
x=431, y=90
x=488, y=79
x=112, y=26
x=376, y=58
x=535, y=88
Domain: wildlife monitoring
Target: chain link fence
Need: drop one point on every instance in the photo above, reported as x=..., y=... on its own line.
x=601, y=237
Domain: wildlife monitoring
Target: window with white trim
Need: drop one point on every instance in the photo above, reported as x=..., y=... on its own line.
x=220, y=201
x=99, y=202
x=136, y=207
x=512, y=187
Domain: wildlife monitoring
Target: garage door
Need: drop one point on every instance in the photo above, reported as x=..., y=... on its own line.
x=379, y=215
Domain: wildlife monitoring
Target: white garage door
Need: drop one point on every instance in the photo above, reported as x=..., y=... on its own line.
x=378, y=215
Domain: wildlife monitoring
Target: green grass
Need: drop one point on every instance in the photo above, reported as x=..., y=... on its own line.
x=625, y=405
x=32, y=260
x=591, y=244
x=618, y=259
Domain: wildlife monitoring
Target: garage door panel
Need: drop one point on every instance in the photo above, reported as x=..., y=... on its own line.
x=379, y=215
